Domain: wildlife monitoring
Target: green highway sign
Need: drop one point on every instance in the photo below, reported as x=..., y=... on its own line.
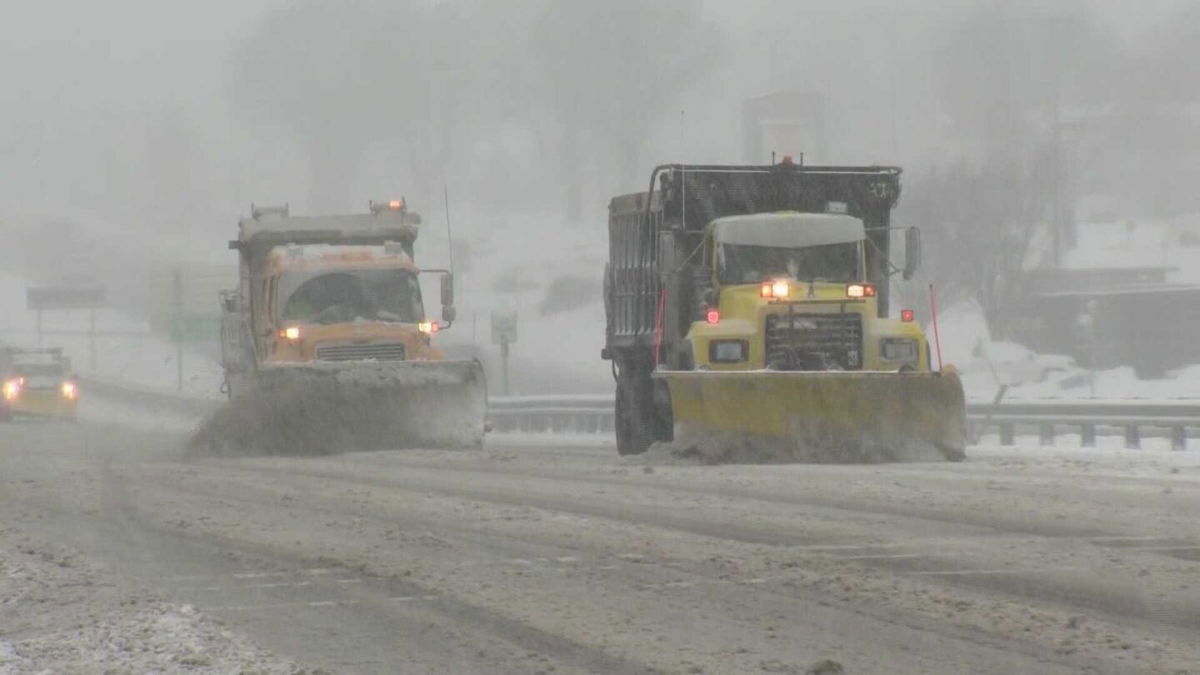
x=195, y=328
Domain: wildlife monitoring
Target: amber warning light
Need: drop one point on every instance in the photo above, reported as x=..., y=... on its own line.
x=775, y=289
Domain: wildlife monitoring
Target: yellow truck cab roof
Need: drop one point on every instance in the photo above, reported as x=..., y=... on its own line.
x=788, y=229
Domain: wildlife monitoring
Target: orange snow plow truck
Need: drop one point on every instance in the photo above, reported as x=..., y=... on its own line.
x=327, y=346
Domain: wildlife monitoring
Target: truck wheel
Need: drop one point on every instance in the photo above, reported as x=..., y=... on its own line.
x=634, y=417
x=621, y=423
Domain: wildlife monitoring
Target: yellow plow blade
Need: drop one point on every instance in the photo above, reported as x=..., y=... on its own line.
x=325, y=408
x=833, y=417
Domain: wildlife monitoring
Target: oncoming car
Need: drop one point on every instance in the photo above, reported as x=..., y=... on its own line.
x=37, y=383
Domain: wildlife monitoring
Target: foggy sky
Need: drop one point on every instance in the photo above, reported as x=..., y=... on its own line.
x=119, y=114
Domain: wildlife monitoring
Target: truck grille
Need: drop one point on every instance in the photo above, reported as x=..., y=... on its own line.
x=379, y=351
x=814, y=341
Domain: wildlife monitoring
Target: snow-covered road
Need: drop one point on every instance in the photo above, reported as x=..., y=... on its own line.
x=537, y=558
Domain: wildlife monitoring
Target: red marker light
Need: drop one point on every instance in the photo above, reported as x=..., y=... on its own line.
x=713, y=316
x=860, y=291
x=906, y=315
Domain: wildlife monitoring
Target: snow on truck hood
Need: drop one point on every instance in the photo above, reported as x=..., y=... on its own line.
x=788, y=229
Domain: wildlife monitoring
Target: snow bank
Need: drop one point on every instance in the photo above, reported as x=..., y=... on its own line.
x=985, y=365
x=1173, y=242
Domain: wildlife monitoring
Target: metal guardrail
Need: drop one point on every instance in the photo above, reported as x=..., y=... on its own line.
x=1133, y=420
x=1047, y=419
x=569, y=413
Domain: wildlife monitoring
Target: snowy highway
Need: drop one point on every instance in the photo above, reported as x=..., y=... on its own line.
x=565, y=558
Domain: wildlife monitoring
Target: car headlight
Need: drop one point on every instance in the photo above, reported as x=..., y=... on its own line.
x=898, y=349
x=727, y=351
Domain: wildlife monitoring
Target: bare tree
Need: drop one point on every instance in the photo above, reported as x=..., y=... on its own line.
x=1006, y=79
x=981, y=222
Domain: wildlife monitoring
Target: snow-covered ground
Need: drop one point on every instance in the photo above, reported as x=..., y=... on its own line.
x=1118, y=242
x=63, y=613
x=985, y=366
x=549, y=273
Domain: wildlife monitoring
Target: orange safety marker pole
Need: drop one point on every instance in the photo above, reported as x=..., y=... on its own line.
x=658, y=327
x=937, y=339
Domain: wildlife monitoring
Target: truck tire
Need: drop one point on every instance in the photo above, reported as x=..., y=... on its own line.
x=635, y=413
x=622, y=423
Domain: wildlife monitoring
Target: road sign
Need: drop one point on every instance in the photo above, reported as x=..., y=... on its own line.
x=504, y=328
x=64, y=297
x=195, y=328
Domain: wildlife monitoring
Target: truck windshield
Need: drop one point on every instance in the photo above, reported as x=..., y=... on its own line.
x=346, y=295
x=39, y=368
x=742, y=264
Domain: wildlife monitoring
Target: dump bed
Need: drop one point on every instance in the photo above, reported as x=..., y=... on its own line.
x=684, y=199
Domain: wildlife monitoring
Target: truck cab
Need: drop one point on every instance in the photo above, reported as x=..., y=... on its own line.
x=328, y=289
x=790, y=291
x=338, y=303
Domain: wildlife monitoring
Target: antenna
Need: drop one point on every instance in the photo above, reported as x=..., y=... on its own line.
x=449, y=234
x=682, y=143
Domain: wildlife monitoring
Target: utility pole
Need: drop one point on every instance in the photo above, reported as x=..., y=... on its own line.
x=504, y=333
x=504, y=366
x=92, y=338
x=178, y=321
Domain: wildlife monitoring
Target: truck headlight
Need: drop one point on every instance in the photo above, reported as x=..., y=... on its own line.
x=898, y=349
x=727, y=351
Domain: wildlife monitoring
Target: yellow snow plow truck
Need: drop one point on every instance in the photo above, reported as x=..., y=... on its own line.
x=37, y=383
x=748, y=319
x=326, y=344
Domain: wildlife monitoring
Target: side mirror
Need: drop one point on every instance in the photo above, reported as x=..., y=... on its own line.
x=912, y=252
x=447, y=289
x=448, y=313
